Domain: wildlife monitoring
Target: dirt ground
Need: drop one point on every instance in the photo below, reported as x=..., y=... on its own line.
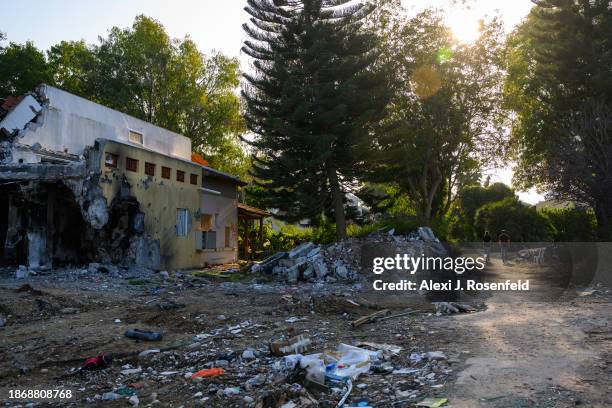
x=549, y=347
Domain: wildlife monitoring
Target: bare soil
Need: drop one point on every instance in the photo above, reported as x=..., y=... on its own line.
x=549, y=347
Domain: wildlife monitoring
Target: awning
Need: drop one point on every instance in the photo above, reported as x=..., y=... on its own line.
x=251, y=213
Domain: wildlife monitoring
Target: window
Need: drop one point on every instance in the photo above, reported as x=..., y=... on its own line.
x=206, y=222
x=166, y=172
x=149, y=169
x=131, y=164
x=183, y=222
x=180, y=176
x=228, y=232
x=111, y=160
x=135, y=137
x=194, y=179
x=209, y=240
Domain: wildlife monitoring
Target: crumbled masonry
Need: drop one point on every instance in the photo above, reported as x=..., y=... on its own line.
x=344, y=261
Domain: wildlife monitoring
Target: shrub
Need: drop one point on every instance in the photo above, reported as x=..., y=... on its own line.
x=521, y=221
x=572, y=224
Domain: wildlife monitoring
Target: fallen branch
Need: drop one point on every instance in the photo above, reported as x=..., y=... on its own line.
x=370, y=318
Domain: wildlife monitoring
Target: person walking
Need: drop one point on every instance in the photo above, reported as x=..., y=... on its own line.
x=486, y=244
x=504, y=245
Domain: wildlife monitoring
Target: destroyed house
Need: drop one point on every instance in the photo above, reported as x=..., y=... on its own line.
x=80, y=182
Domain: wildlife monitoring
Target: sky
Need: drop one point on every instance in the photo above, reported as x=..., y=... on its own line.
x=214, y=24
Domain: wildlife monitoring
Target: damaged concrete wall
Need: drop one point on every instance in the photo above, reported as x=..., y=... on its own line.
x=68, y=123
x=54, y=141
x=157, y=198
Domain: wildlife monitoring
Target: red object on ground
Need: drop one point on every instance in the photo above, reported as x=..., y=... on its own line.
x=209, y=372
x=96, y=363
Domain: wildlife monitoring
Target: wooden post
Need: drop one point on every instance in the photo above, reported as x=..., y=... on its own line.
x=247, y=247
x=261, y=243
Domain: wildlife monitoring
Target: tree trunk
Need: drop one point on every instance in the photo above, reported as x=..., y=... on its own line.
x=338, y=201
x=603, y=214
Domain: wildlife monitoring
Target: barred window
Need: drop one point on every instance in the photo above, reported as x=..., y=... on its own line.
x=131, y=164
x=149, y=169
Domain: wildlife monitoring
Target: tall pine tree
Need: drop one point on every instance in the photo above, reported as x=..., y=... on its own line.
x=310, y=100
x=560, y=88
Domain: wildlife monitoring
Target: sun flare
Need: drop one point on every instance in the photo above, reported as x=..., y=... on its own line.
x=465, y=25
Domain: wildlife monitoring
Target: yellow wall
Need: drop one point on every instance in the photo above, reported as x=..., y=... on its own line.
x=159, y=199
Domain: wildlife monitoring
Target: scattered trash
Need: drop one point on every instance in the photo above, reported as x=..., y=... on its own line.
x=416, y=357
x=294, y=345
x=406, y=371
x=131, y=371
x=97, y=363
x=388, y=349
x=22, y=272
x=110, y=396
x=134, y=401
x=432, y=402
x=146, y=353
x=209, y=372
x=435, y=356
x=126, y=391
x=349, y=385
x=230, y=391
x=143, y=335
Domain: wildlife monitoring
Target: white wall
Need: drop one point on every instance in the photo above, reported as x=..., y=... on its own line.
x=71, y=123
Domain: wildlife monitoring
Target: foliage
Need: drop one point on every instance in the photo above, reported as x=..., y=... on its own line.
x=22, y=68
x=72, y=64
x=445, y=118
x=386, y=199
x=572, y=224
x=470, y=199
x=309, y=101
x=521, y=221
x=287, y=236
x=143, y=72
x=560, y=88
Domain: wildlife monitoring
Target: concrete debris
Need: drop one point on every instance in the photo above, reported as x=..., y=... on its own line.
x=435, y=356
x=21, y=272
x=341, y=261
x=134, y=401
x=451, y=308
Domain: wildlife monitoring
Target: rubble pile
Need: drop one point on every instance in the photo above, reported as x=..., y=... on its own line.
x=341, y=261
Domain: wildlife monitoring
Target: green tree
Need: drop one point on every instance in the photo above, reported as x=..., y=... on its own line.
x=469, y=200
x=521, y=221
x=310, y=101
x=572, y=224
x=445, y=118
x=72, y=64
x=143, y=72
x=559, y=87
x=22, y=68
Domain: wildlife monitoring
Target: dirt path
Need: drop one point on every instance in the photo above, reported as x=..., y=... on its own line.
x=534, y=349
